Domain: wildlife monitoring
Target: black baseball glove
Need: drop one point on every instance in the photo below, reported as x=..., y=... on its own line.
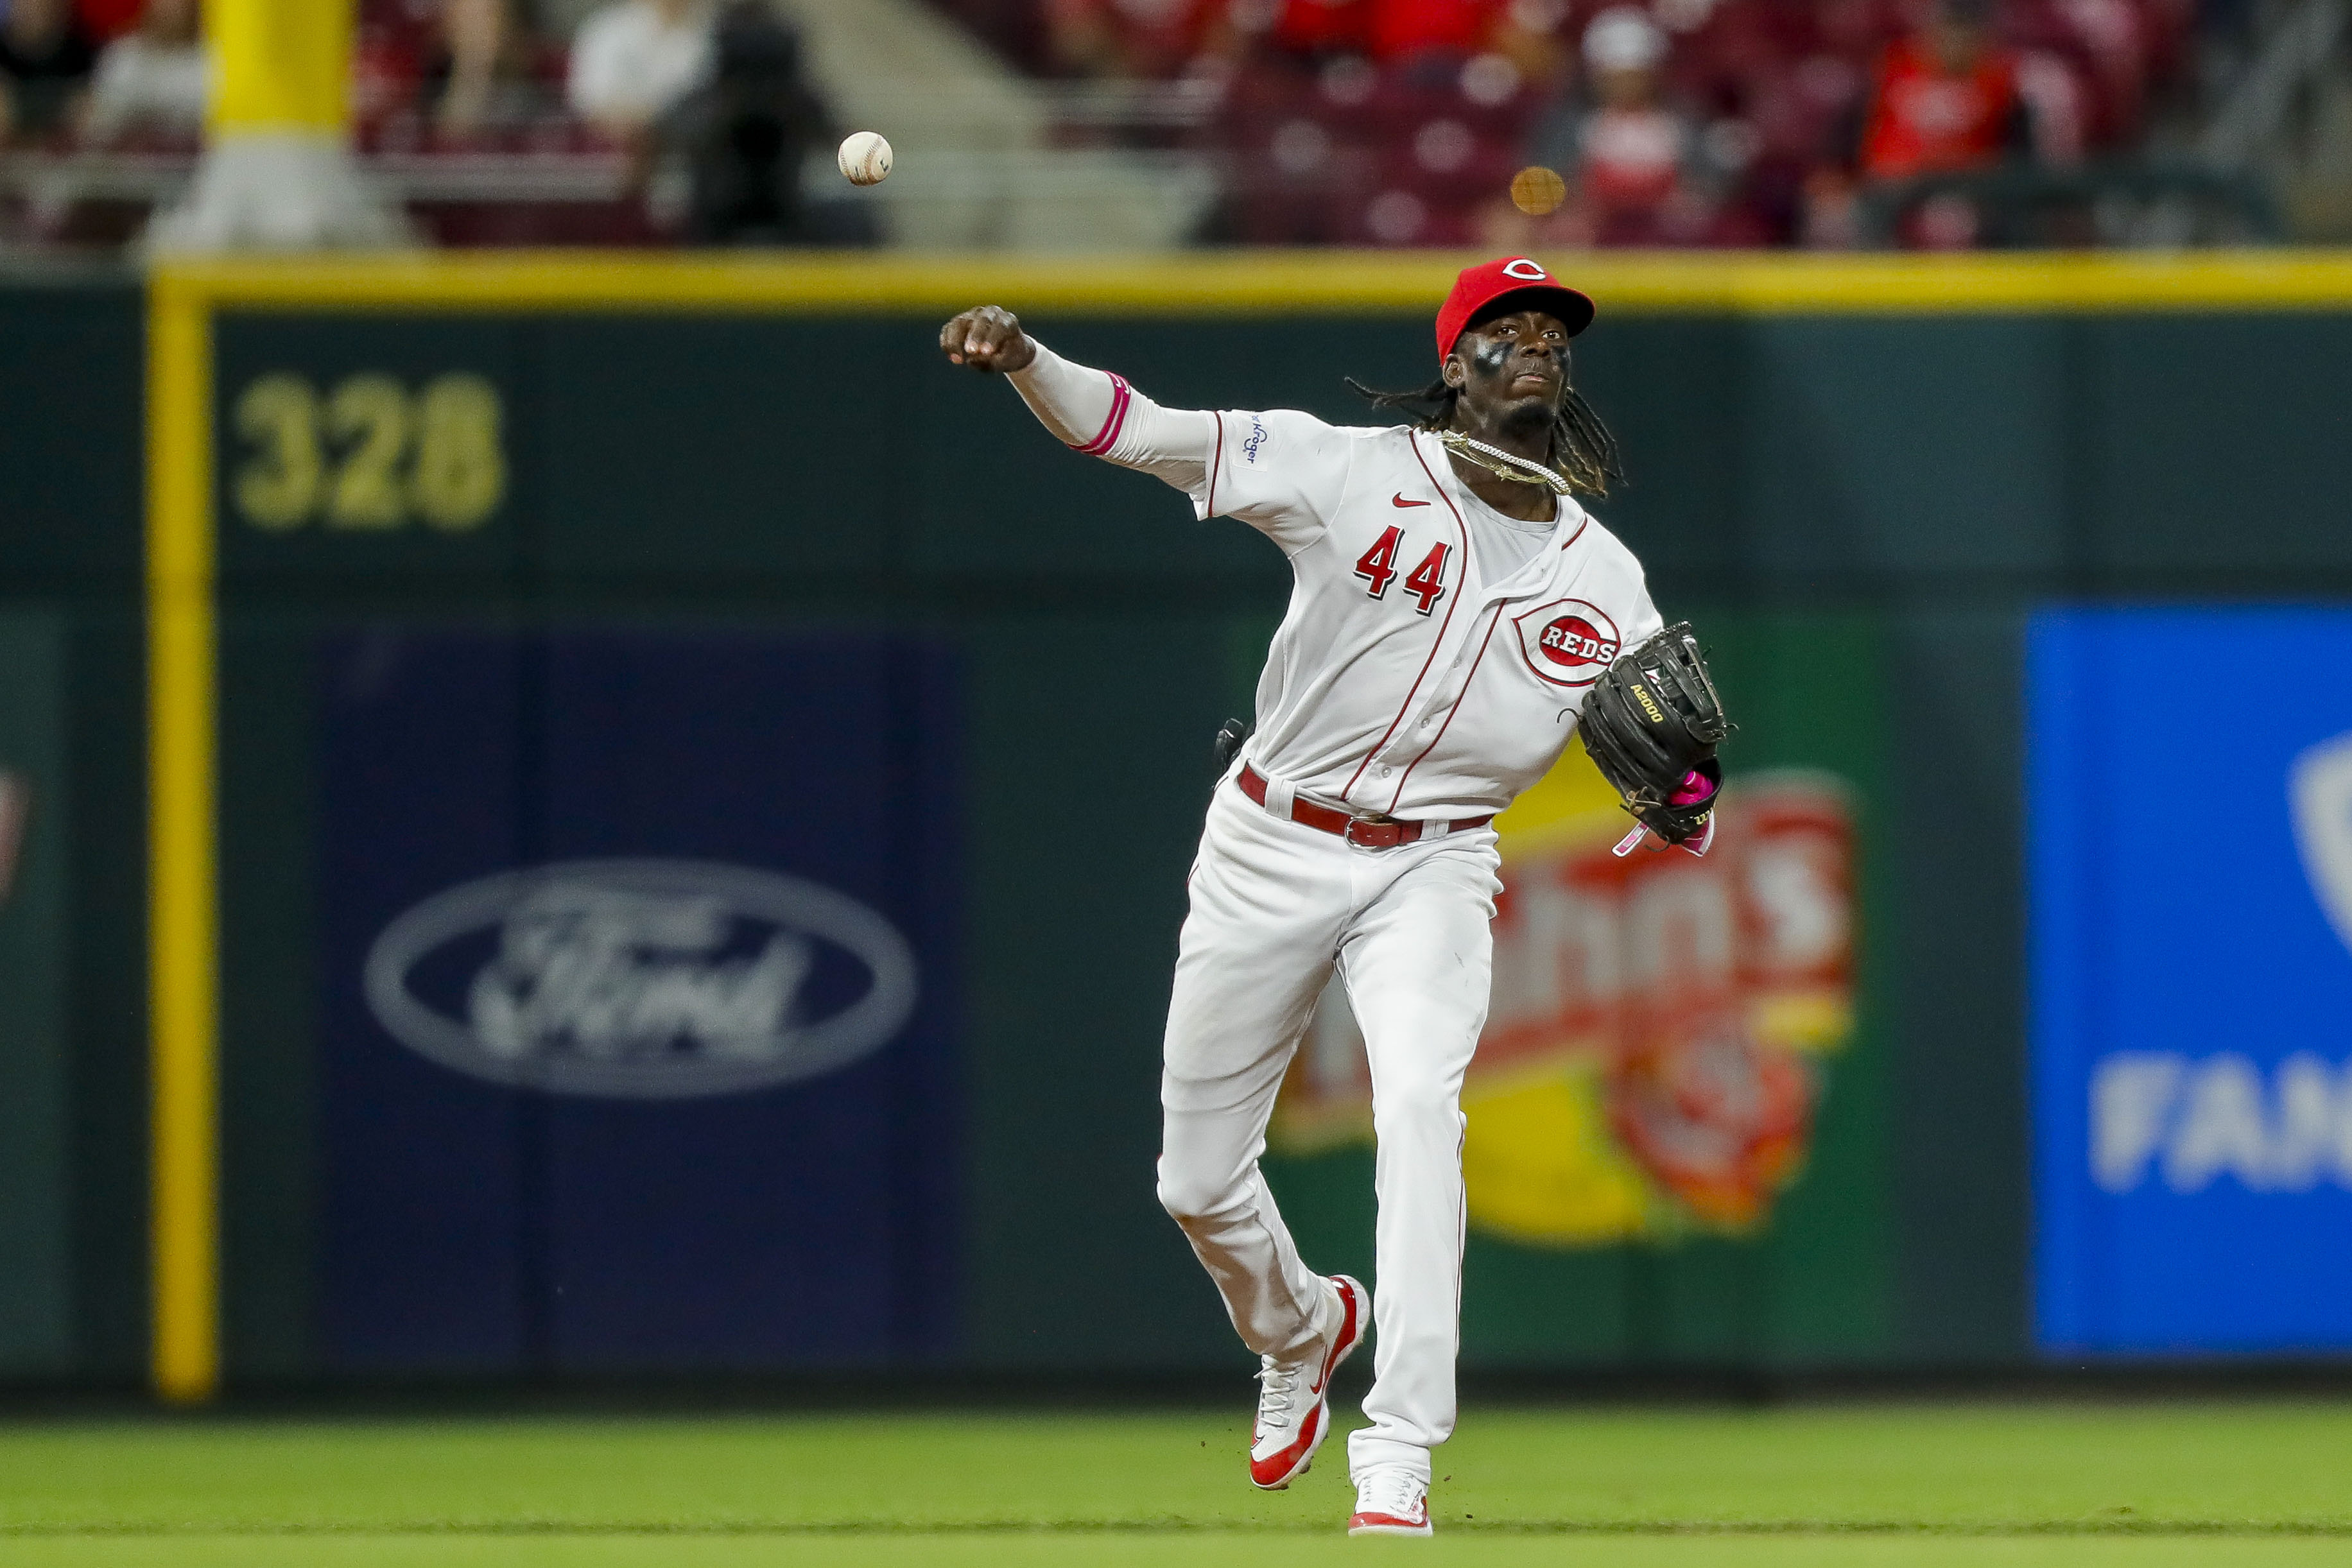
x=1650, y=722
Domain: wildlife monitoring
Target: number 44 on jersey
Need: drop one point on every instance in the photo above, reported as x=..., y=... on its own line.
x=1426, y=582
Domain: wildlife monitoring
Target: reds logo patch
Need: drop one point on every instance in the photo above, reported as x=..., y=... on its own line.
x=1568, y=642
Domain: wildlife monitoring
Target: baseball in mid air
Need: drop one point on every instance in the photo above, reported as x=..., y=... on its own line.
x=866, y=157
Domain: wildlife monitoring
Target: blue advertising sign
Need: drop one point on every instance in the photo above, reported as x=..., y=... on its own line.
x=2192, y=844
x=638, y=1001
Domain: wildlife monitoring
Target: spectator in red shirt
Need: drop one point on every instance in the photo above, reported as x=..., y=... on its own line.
x=1635, y=170
x=1400, y=29
x=1317, y=27
x=1388, y=31
x=1150, y=39
x=1946, y=100
x=1631, y=148
x=105, y=20
x=446, y=58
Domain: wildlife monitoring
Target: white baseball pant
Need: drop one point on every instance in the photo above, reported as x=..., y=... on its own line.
x=1273, y=906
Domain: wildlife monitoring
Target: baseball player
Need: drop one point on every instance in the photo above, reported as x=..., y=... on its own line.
x=1453, y=609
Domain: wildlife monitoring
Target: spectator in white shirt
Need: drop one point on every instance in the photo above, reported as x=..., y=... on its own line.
x=151, y=81
x=631, y=62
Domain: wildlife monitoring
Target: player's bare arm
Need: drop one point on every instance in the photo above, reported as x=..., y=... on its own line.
x=987, y=338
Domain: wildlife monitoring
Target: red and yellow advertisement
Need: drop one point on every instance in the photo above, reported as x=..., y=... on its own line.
x=1662, y=1025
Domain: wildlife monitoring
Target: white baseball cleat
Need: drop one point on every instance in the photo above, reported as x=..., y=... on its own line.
x=1390, y=1501
x=1294, y=1406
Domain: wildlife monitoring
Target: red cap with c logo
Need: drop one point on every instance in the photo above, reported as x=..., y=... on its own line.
x=1480, y=286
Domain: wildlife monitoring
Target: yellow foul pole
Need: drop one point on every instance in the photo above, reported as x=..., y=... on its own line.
x=279, y=68
x=278, y=172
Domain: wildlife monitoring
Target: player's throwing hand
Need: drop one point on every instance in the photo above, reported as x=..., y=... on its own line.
x=987, y=339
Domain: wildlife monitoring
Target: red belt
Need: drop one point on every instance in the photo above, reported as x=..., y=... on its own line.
x=1364, y=832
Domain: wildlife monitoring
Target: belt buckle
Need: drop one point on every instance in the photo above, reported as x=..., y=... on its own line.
x=1381, y=832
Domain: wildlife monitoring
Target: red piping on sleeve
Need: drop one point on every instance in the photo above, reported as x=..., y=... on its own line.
x=1117, y=419
x=1216, y=463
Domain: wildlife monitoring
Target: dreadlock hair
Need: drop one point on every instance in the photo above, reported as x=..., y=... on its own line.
x=1582, y=450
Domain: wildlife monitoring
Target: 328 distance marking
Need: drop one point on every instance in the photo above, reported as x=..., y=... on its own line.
x=369, y=454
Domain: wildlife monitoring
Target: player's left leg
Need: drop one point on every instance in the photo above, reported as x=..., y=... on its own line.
x=1417, y=960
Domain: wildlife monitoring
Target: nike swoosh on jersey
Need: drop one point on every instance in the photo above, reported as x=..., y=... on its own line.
x=1401, y=501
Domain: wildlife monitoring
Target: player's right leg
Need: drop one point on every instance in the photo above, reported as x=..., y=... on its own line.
x=1268, y=899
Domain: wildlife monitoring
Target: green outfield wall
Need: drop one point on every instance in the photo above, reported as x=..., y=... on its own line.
x=1857, y=508
x=73, y=1124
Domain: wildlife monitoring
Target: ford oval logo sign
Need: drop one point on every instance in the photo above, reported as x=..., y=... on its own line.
x=641, y=979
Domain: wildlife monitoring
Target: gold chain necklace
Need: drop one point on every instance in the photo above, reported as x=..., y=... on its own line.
x=1504, y=464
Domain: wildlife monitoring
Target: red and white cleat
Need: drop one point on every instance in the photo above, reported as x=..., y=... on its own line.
x=1390, y=1501
x=1293, y=1408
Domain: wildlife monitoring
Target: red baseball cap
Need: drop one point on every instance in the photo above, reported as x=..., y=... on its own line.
x=1482, y=285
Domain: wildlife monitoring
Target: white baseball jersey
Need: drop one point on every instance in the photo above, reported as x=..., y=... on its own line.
x=1411, y=678
x=1407, y=678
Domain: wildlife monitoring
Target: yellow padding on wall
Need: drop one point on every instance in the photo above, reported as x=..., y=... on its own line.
x=1277, y=282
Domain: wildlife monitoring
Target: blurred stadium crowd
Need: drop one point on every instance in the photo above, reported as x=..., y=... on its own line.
x=500, y=120
x=1732, y=122
x=1820, y=123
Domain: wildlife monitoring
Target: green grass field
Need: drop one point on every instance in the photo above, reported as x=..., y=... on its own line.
x=2134, y=1486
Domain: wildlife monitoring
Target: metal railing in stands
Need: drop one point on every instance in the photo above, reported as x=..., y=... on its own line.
x=962, y=175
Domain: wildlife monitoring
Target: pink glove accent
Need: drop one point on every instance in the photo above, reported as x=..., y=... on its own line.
x=1696, y=786
x=1698, y=843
